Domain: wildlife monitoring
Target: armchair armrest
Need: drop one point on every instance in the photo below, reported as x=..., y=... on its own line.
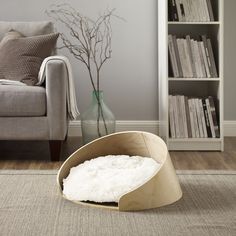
x=56, y=82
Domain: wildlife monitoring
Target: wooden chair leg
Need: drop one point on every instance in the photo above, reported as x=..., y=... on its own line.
x=55, y=149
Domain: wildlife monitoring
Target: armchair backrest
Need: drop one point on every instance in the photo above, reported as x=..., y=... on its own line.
x=26, y=28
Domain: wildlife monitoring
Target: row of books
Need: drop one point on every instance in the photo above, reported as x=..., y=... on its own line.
x=192, y=117
x=192, y=58
x=190, y=10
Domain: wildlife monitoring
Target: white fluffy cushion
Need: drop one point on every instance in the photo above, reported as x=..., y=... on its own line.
x=107, y=178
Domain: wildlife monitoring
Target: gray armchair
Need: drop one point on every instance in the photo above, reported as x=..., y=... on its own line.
x=35, y=112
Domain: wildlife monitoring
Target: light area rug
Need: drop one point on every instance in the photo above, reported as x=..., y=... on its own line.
x=30, y=204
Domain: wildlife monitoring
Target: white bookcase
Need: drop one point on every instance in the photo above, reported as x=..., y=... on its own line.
x=199, y=87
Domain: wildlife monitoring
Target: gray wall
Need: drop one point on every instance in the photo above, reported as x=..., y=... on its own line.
x=129, y=79
x=230, y=60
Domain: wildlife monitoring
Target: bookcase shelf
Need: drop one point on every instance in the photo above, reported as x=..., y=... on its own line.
x=193, y=23
x=201, y=144
x=193, y=79
x=190, y=87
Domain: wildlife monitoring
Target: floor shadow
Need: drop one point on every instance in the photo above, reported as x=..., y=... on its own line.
x=35, y=150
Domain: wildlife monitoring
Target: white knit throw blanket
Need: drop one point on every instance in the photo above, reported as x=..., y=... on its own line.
x=70, y=88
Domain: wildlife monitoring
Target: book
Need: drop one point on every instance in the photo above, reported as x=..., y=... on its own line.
x=176, y=117
x=196, y=127
x=202, y=118
x=199, y=119
x=214, y=118
x=208, y=127
x=173, y=15
x=191, y=118
x=205, y=10
x=188, y=117
x=177, y=56
x=180, y=46
x=184, y=118
x=180, y=116
x=179, y=10
x=195, y=10
x=204, y=39
x=210, y=118
x=210, y=10
x=202, y=65
x=195, y=57
x=190, y=53
x=214, y=71
x=187, y=10
x=172, y=56
x=206, y=66
x=187, y=60
x=200, y=11
x=182, y=10
x=171, y=118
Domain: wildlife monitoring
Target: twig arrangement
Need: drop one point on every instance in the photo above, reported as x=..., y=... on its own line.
x=89, y=42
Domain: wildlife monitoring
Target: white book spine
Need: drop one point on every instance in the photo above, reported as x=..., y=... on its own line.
x=205, y=60
x=206, y=12
x=187, y=59
x=173, y=56
x=195, y=119
x=181, y=56
x=199, y=119
x=197, y=59
x=171, y=118
x=180, y=116
x=184, y=116
x=188, y=10
x=191, y=113
x=191, y=118
x=202, y=11
x=190, y=53
x=212, y=58
x=210, y=118
x=195, y=9
x=203, y=118
x=203, y=70
x=177, y=56
x=176, y=118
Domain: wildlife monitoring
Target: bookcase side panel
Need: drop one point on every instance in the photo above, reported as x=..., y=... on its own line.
x=221, y=69
x=163, y=68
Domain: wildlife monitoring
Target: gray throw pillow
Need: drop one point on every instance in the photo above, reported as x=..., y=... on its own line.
x=21, y=57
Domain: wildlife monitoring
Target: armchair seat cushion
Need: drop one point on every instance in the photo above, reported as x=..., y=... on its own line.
x=22, y=101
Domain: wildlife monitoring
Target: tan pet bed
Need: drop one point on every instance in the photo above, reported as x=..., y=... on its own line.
x=162, y=189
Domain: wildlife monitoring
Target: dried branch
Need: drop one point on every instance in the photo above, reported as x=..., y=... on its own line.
x=89, y=42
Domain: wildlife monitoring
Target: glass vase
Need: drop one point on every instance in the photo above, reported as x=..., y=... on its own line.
x=97, y=120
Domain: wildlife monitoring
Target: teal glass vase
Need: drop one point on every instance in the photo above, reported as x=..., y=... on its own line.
x=98, y=120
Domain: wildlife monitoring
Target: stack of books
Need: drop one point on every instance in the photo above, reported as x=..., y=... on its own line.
x=193, y=117
x=191, y=58
x=190, y=10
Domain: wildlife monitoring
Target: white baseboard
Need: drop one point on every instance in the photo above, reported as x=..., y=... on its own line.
x=121, y=125
x=143, y=125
